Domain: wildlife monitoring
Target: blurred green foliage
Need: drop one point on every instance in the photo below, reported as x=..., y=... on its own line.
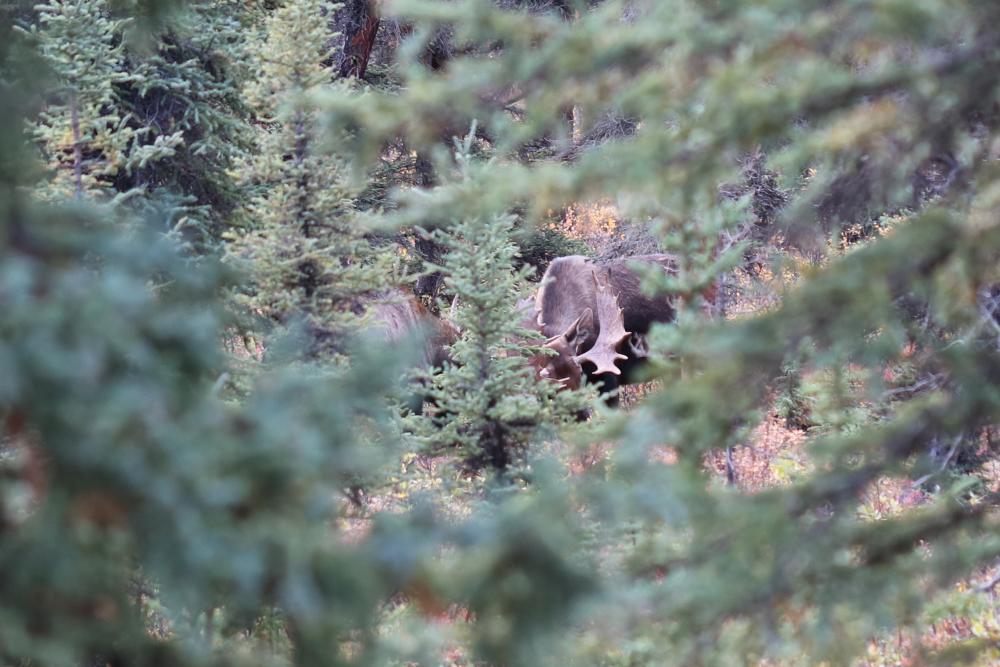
x=151, y=514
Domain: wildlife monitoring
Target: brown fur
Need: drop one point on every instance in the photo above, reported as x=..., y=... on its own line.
x=568, y=288
x=640, y=309
x=398, y=316
x=567, y=301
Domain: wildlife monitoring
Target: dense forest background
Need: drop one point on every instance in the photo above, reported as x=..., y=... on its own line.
x=217, y=447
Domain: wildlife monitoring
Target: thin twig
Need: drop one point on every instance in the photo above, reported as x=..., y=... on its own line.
x=991, y=582
x=944, y=464
x=77, y=144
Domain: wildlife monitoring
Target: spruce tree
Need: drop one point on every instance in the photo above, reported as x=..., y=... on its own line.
x=308, y=259
x=186, y=82
x=487, y=404
x=145, y=518
x=150, y=122
x=81, y=131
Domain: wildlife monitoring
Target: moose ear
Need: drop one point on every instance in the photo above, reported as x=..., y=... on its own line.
x=581, y=330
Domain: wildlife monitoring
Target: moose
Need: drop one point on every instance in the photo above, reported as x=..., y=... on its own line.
x=595, y=318
x=593, y=314
x=396, y=315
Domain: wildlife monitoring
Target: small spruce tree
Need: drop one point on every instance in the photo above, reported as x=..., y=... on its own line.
x=185, y=101
x=155, y=123
x=308, y=261
x=488, y=404
x=80, y=129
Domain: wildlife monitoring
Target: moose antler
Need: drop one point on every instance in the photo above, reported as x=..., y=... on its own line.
x=638, y=346
x=604, y=352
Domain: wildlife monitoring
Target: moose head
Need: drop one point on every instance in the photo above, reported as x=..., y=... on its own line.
x=595, y=316
x=588, y=345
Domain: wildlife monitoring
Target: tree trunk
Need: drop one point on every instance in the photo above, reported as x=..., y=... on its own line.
x=360, y=30
x=74, y=115
x=435, y=57
x=427, y=285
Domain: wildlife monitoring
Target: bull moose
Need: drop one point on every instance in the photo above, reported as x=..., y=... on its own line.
x=595, y=317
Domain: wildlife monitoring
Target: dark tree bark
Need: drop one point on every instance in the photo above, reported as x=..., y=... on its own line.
x=427, y=285
x=435, y=57
x=361, y=24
